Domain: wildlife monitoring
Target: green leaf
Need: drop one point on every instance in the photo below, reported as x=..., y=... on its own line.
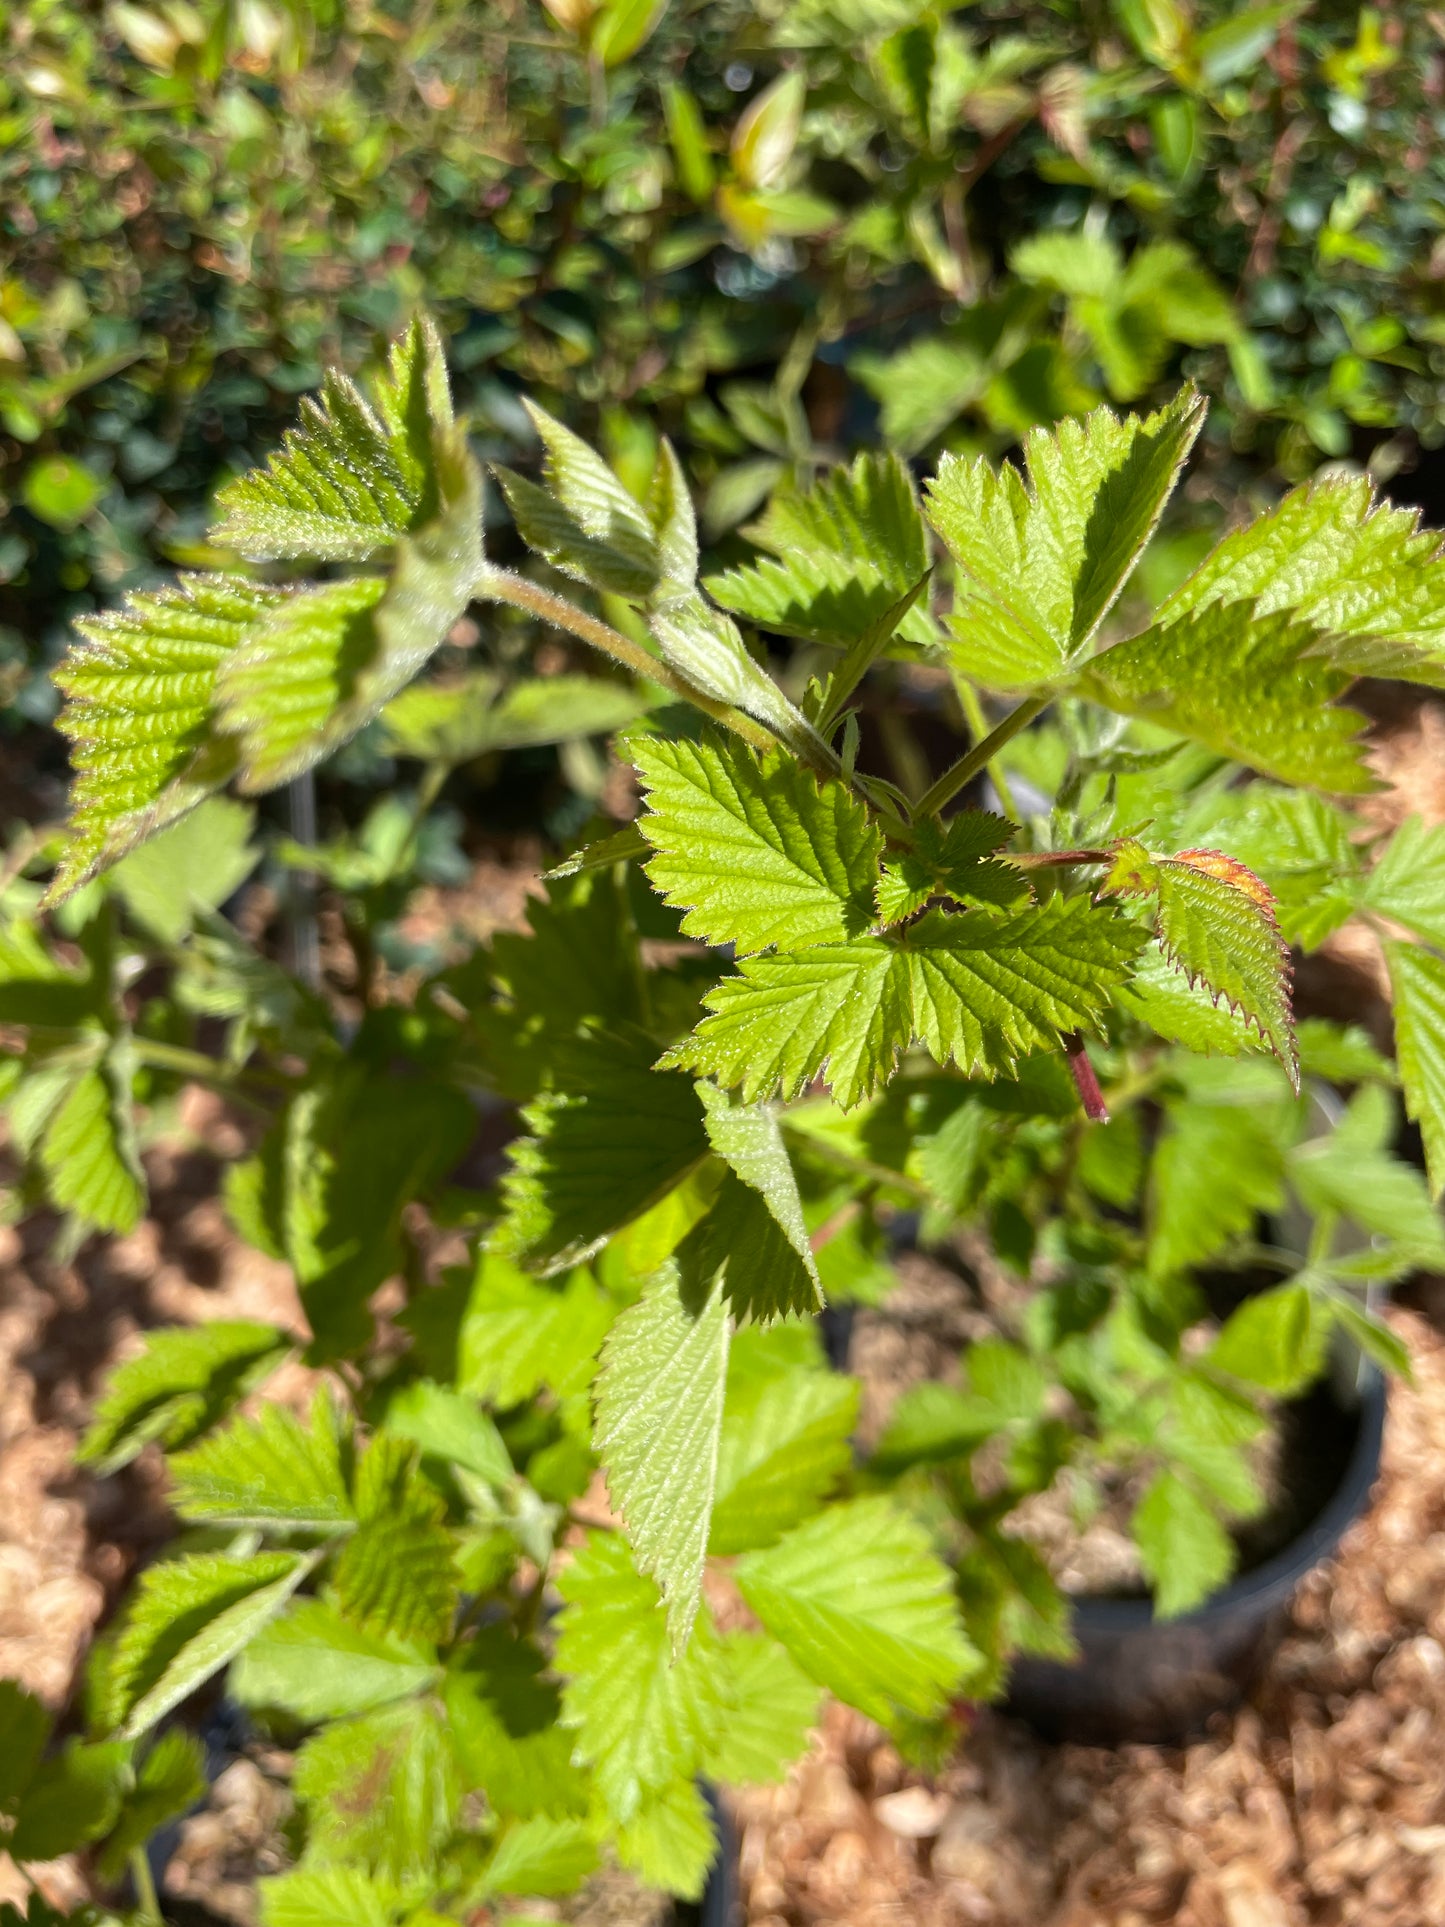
x=171, y=1780
x=584, y=521
x=188, y=1619
x=932, y=1423
x=316, y=1665
x=398, y=1572
x=865, y=1608
x=750, y=1141
x=1360, y=572
x=541, y=1855
x=503, y=1714
x=518, y=1335
x=671, y=1841
x=1341, y=1053
x=89, y=1155
x=351, y=479
x=182, y=1382
x=381, y=1791
x=1417, y=984
x=323, y=663
x=60, y=490
x=1376, y=1339
x=755, y=851
x=1042, y=556
x=1275, y=1340
x=1407, y=884
x=785, y=1444
x=659, y=1418
x=704, y=647
x=609, y=1139
x=191, y=867
x=741, y=1242
x=1351, y=1171
x=72, y=1799
x=139, y=688
x=1215, y=1168
x=24, y=1730
x=37, y=989
x=1217, y=927
x=643, y=1719
x=326, y=1897
x=1251, y=687
x=977, y=990
x=840, y=556
x=1184, y=1012
x=449, y=1428
x=951, y=862
x=456, y=722
x=771, y=1707
x=269, y=1470
x=1184, y=1549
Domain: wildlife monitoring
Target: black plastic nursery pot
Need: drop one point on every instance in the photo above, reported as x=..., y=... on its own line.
x=1157, y=1682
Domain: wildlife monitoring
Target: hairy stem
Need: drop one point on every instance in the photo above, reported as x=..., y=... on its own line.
x=205, y=1070
x=501, y=585
x=982, y=754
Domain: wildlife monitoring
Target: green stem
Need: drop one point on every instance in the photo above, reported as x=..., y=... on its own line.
x=145, y=1886
x=205, y=1070
x=981, y=755
x=971, y=703
x=501, y=585
x=433, y=779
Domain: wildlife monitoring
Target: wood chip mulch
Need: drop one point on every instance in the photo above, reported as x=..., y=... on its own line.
x=1321, y=1802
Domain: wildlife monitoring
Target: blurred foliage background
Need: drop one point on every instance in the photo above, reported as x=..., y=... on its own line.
x=775, y=230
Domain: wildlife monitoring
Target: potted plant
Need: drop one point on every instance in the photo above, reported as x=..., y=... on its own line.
x=737, y=1028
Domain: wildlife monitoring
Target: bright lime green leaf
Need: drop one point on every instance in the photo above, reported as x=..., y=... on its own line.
x=188, y=1618
x=351, y=479
x=1417, y=982
x=756, y=852
x=750, y=1141
x=1359, y=571
x=865, y=1608
x=37, y=988
x=518, y=1335
x=321, y=664
x=381, y=1792
x=327, y=1897
x=1350, y=1170
x=1275, y=1340
x=450, y=1428
x=704, y=647
x=171, y=1780
x=659, y=1418
x=316, y=1665
x=1216, y=1167
x=140, y=687
x=584, y=521
x=1217, y=927
x=1342, y=1053
x=1043, y=555
x=1251, y=687
x=932, y=1423
x=181, y=1382
x=741, y=1242
x=71, y=1801
x=643, y=1719
x=786, y=1442
x=398, y=1571
x=503, y=1714
x=1407, y=884
x=951, y=862
x=191, y=867
x=1184, y=1012
x=608, y=1139
x=671, y=1841
x=270, y=1470
x=771, y=1708
x=89, y=1154
x=541, y=1855
x=1376, y=1339
x=1185, y=1551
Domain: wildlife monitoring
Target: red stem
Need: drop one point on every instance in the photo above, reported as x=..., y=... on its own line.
x=1086, y=1080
